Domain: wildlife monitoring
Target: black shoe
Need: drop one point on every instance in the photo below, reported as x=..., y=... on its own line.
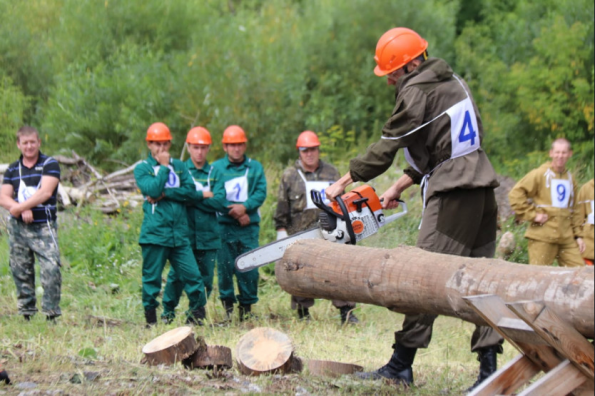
x=51, y=318
x=488, y=364
x=399, y=369
x=151, y=317
x=27, y=318
x=347, y=316
x=303, y=313
x=245, y=312
x=4, y=377
x=198, y=317
x=167, y=319
x=228, y=305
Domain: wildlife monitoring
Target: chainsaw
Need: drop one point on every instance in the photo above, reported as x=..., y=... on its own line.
x=354, y=216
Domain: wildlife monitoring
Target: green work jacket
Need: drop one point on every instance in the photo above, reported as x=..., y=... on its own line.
x=166, y=222
x=256, y=191
x=202, y=214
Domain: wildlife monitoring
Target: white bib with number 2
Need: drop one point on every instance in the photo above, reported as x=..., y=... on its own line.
x=173, y=180
x=561, y=190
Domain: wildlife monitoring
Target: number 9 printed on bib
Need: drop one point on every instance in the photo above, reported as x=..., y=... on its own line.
x=561, y=191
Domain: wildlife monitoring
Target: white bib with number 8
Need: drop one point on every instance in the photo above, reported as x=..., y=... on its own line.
x=561, y=190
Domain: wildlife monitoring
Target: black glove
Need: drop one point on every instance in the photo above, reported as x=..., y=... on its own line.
x=4, y=377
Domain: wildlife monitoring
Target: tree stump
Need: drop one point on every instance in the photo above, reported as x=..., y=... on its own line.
x=212, y=358
x=325, y=368
x=264, y=350
x=171, y=347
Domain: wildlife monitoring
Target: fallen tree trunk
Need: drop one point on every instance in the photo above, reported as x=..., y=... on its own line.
x=411, y=280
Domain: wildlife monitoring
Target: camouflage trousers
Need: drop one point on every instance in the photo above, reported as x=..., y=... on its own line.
x=27, y=241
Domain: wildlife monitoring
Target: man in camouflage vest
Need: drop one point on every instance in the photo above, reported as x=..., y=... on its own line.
x=296, y=211
x=29, y=192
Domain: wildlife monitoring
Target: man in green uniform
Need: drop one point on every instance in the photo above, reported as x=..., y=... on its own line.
x=168, y=187
x=245, y=189
x=296, y=212
x=202, y=219
x=436, y=122
x=546, y=197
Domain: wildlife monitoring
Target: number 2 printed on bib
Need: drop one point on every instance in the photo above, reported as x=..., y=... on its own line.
x=561, y=190
x=173, y=180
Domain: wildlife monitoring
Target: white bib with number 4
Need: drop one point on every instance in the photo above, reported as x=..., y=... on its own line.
x=561, y=191
x=236, y=189
x=173, y=180
x=315, y=185
x=463, y=128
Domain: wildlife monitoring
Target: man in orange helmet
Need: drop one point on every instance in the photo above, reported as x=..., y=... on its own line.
x=167, y=187
x=245, y=191
x=202, y=219
x=436, y=122
x=296, y=212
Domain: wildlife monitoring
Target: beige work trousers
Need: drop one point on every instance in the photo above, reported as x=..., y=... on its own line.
x=544, y=253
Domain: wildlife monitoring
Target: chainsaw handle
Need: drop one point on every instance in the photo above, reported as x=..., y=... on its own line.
x=391, y=218
x=319, y=202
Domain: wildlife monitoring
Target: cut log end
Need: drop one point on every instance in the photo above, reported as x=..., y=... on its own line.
x=171, y=347
x=264, y=350
x=212, y=357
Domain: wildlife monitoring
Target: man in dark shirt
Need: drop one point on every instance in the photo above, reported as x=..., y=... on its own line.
x=29, y=193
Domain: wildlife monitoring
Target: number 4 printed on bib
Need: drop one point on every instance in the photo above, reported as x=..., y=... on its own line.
x=464, y=129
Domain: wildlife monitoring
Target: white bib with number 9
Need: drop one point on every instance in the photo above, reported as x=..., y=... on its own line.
x=173, y=180
x=561, y=191
x=463, y=128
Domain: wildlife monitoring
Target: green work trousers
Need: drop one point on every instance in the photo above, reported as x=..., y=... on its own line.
x=174, y=286
x=237, y=240
x=461, y=223
x=182, y=261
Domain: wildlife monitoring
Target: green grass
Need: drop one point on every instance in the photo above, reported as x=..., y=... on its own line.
x=98, y=251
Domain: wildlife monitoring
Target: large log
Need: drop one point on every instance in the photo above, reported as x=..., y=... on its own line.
x=411, y=280
x=263, y=351
x=171, y=347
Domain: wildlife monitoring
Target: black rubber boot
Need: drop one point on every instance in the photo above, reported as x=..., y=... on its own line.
x=27, y=318
x=167, y=318
x=303, y=313
x=347, y=316
x=151, y=317
x=228, y=305
x=488, y=364
x=52, y=318
x=4, y=377
x=198, y=317
x=399, y=369
x=245, y=312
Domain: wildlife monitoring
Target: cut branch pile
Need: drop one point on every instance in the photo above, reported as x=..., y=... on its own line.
x=81, y=183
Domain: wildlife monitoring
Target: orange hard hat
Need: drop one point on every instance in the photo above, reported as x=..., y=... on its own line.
x=158, y=132
x=396, y=48
x=307, y=139
x=199, y=135
x=234, y=134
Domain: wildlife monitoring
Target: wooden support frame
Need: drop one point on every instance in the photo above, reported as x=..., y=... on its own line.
x=546, y=344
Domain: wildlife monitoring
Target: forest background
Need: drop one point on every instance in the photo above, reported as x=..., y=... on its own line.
x=92, y=75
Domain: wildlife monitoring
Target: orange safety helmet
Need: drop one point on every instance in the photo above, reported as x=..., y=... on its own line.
x=396, y=48
x=199, y=135
x=307, y=139
x=158, y=132
x=234, y=134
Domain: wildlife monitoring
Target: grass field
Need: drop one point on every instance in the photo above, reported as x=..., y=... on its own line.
x=100, y=253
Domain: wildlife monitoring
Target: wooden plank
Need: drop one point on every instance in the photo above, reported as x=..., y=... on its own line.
x=520, y=331
x=560, y=381
x=511, y=377
x=587, y=389
x=492, y=309
x=557, y=333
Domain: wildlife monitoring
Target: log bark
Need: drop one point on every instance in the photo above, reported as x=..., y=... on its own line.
x=171, y=347
x=264, y=350
x=410, y=280
x=325, y=368
x=212, y=358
